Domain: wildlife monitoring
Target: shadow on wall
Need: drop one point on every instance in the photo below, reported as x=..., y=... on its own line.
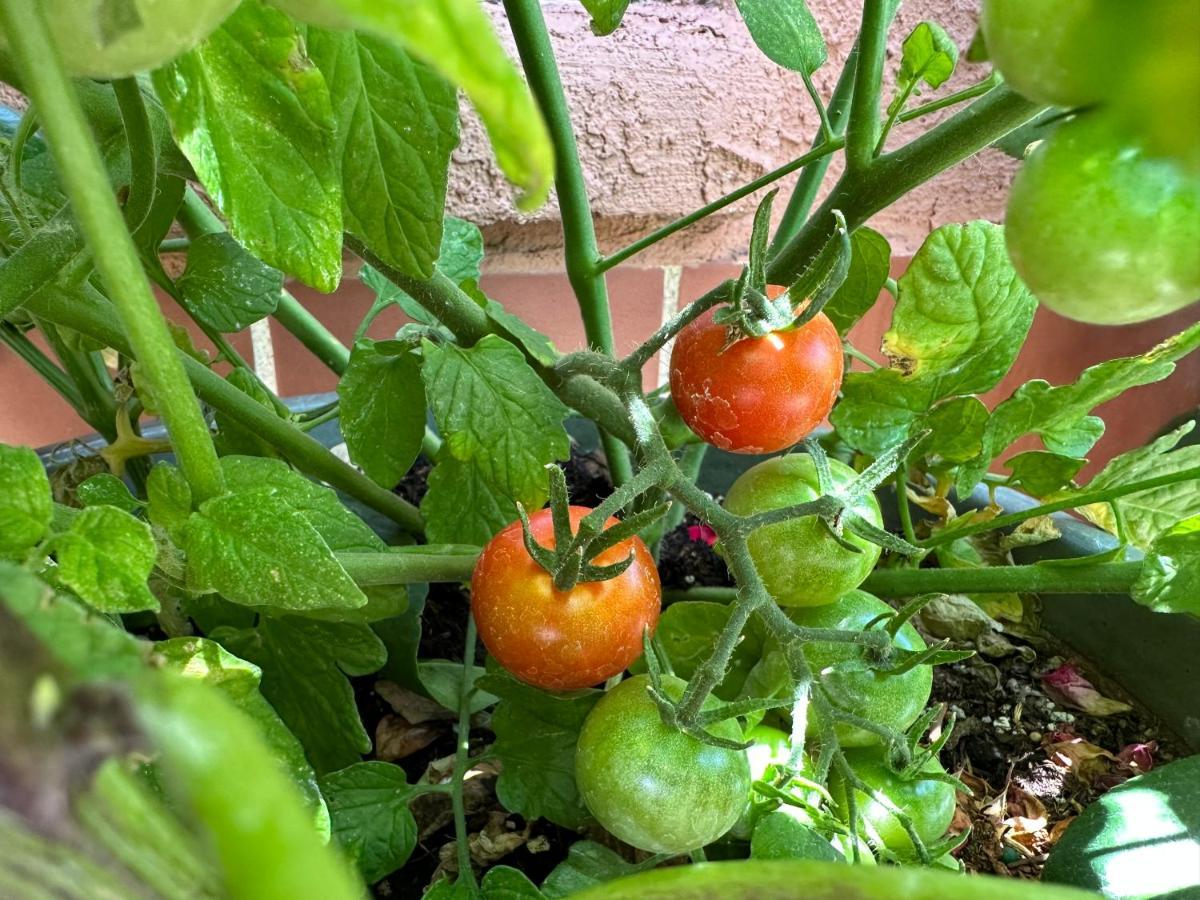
x=1057, y=350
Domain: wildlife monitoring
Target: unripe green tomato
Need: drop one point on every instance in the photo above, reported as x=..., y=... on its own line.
x=1100, y=231
x=1062, y=52
x=800, y=562
x=929, y=804
x=769, y=746
x=652, y=786
x=165, y=29
x=892, y=700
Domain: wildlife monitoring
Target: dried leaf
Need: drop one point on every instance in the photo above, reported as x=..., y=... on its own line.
x=1085, y=760
x=1066, y=685
x=1031, y=532
x=498, y=838
x=397, y=738
x=411, y=705
x=957, y=617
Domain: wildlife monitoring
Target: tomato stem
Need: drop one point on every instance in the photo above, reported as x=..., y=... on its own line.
x=461, y=758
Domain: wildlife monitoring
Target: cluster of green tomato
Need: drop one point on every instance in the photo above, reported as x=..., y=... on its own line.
x=660, y=789
x=1103, y=221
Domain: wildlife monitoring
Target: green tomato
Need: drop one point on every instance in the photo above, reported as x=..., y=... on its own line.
x=1062, y=53
x=892, y=700
x=930, y=804
x=769, y=747
x=1100, y=231
x=652, y=786
x=800, y=562
x=162, y=30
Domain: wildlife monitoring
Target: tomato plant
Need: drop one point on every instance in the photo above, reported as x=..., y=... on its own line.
x=561, y=640
x=894, y=700
x=758, y=394
x=1101, y=230
x=801, y=562
x=928, y=803
x=652, y=786
x=222, y=573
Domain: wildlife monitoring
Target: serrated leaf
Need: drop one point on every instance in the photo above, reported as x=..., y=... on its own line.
x=536, y=734
x=224, y=286
x=253, y=548
x=105, y=558
x=104, y=489
x=461, y=252
x=368, y=803
x=495, y=412
x=455, y=38
x=1061, y=415
x=955, y=429
x=460, y=507
x=239, y=680
x=396, y=123
x=928, y=55
x=587, y=865
x=520, y=332
x=442, y=679
x=870, y=263
x=786, y=834
x=382, y=410
x=1040, y=472
x=1147, y=514
x=507, y=883
x=25, y=505
x=959, y=323
x=169, y=497
x=606, y=14
x=253, y=116
x=786, y=32
x=1170, y=577
x=304, y=665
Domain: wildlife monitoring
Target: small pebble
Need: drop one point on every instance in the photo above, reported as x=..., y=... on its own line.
x=986, y=720
x=1035, y=736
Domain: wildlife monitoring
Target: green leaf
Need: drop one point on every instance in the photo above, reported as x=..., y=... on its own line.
x=253, y=115
x=1040, y=472
x=455, y=38
x=959, y=322
x=783, y=834
x=25, y=504
x=443, y=680
x=382, y=409
x=460, y=507
x=84, y=641
x=587, y=865
x=507, y=883
x=106, y=558
x=1170, y=577
x=224, y=286
x=255, y=549
x=536, y=734
x=688, y=632
x=928, y=55
x=955, y=429
x=105, y=489
x=304, y=666
x=461, y=253
x=606, y=14
x=519, y=331
x=169, y=498
x=870, y=263
x=495, y=412
x=232, y=436
x=239, y=680
x=1147, y=514
x=368, y=802
x=1061, y=415
x=396, y=123
x=786, y=32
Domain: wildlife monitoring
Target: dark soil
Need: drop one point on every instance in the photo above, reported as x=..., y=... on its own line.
x=1005, y=742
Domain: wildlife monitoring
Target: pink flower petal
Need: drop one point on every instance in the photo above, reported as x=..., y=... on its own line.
x=702, y=533
x=1066, y=685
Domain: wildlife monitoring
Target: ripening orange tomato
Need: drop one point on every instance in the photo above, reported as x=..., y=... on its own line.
x=562, y=640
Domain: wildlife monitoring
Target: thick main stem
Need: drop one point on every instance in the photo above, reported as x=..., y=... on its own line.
x=86, y=184
x=582, y=254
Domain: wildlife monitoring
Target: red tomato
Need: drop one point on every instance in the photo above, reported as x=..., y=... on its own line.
x=562, y=640
x=762, y=394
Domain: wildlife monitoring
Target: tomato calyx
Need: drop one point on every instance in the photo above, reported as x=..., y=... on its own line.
x=756, y=309
x=570, y=561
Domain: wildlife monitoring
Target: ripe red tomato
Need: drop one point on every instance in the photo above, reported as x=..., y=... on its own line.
x=760, y=395
x=562, y=640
